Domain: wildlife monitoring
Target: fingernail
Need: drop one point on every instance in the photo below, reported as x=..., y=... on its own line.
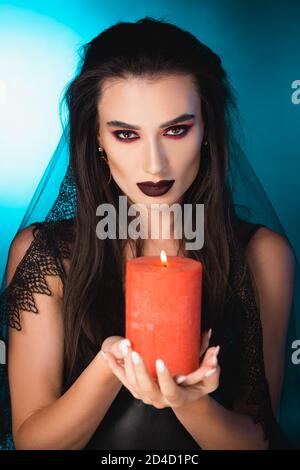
x=209, y=334
x=180, y=379
x=160, y=365
x=214, y=359
x=135, y=357
x=123, y=346
x=210, y=372
x=104, y=355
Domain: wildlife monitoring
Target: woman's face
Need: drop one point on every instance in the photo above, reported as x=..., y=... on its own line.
x=141, y=138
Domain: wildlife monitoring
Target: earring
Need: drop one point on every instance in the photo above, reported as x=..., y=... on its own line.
x=101, y=150
x=205, y=142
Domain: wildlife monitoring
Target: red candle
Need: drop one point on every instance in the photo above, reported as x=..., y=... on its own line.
x=163, y=311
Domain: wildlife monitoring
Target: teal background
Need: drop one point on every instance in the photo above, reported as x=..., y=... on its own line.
x=259, y=46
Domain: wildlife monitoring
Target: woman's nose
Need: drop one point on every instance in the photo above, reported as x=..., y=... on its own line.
x=155, y=161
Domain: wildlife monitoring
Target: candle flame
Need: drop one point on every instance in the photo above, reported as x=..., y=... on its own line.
x=163, y=257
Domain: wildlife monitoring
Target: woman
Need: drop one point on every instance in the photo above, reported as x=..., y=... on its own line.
x=154, y=102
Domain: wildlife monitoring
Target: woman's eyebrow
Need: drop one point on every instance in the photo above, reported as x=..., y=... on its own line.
x=181, y=118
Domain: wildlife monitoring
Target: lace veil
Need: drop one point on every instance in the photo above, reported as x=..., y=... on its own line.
x=55, y=199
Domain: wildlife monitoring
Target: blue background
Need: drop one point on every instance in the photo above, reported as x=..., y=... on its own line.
x=259, y=46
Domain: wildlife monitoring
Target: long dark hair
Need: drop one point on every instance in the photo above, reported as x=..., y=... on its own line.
x=94, y=304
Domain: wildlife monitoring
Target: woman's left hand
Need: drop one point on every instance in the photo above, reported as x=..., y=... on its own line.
x=166, y=392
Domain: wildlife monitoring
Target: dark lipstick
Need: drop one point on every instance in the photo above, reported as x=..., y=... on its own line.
x=155, y=189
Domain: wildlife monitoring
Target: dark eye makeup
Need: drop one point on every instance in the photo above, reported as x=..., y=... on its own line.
x=174, y=132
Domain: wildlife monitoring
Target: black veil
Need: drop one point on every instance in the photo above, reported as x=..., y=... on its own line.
x=55, y=199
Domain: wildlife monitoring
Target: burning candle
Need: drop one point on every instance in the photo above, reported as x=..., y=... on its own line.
x=163, y=311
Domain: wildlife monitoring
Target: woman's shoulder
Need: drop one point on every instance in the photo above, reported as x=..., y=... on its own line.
x=261, y=242
x=271, y=260
x=258, y=236
x=245, y=231
x=268, y=254
x=36, y=265
x=40, y=242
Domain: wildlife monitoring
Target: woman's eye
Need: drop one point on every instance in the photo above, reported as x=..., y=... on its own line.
x=124, y=135
x=177, y=131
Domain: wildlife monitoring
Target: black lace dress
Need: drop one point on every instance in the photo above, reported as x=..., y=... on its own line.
x=129, y=423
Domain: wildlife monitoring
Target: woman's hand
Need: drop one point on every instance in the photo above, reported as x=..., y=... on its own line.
x=111, y=345
x=133, y=373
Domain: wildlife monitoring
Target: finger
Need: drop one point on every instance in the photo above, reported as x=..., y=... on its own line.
x=119, y=361
x=169, y=389
x=120, y=373
x=209, y=373
x=117, y=369
x=211, y=379
x=209, y=363
x=128, y=364
x=210, y=358
x=205, y=341
x=145, y=383
x=116, y=350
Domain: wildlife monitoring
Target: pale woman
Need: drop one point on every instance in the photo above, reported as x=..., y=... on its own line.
x=150, y=104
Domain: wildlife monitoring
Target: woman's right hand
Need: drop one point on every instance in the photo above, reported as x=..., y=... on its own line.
x=111, y=345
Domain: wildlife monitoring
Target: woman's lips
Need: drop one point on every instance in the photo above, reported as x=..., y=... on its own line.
x=156, y=189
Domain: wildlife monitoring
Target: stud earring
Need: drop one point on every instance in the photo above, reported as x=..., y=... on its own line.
x=101, y=151
x=205, y=142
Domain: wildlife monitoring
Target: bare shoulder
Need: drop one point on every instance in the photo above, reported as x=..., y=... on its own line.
x=270, y=248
